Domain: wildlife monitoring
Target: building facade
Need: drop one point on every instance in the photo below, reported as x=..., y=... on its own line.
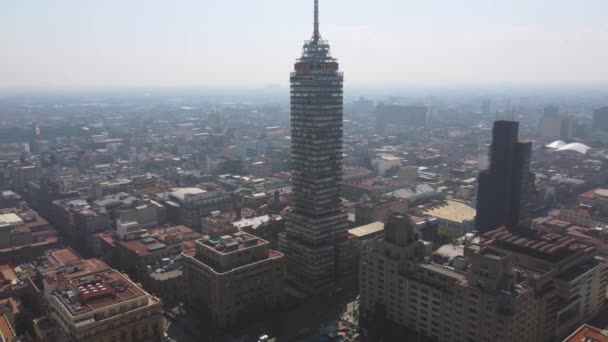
x=88, y=301
x=233, y=277
x=318, y=224
x=505, y=189
x=477, y=300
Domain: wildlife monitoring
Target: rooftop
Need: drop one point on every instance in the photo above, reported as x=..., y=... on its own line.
x=453, y=211
x=587, y=333
x=157, y=240
x=597, y=193
x=368, y=229
x=94, y=292
x=182, y=193
x=6, y=330
x=230, y=243
x=254, y=222
x=550, y=247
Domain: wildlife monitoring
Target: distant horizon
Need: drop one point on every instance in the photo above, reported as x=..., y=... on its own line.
x=65, y=44
x=523, y=87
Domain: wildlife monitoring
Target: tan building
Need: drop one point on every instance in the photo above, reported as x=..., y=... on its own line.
x=490, y=293
x=569, y=280
x=24, y=235
x=478, y=301
x=233, y=277
x=378, y=210
x=88, y=301
x=187, y=206
x=134, y=253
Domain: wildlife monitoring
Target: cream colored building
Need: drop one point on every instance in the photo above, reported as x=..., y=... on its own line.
x=88, y=301
x=483, y=295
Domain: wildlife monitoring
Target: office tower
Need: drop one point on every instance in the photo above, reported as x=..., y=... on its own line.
x=318, y=222
x=505, y=189
x=600, y=119
x=233, y=277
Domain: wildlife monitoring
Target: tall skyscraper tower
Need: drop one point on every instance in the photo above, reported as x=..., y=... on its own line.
x=318, y=222
x=505, y=189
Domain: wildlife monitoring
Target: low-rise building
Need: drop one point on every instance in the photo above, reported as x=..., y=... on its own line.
x=136, y=253
x=233, y=277
x=24, y=235
x=187, y=206
x=89, y=301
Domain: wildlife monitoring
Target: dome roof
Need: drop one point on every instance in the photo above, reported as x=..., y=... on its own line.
x=602, y=192
x=577, y=147
x=556, y=144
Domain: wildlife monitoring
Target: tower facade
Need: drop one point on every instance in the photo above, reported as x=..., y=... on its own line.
x=505, y=189
x=318, y=222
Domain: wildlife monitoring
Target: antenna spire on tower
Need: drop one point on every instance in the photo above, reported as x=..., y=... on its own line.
x=316, y=36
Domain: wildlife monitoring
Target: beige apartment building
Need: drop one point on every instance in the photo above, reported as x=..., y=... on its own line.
x=482, y=295
x=88, y=301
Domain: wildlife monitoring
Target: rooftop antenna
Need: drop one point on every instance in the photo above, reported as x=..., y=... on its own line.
x=316, y=36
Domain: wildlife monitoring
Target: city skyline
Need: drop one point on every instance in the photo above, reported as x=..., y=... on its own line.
x=110, y=44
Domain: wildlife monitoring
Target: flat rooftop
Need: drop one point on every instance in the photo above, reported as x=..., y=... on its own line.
x=368, y=229
x=445, y=271
x=181, y=193
x=64, y=264
x=95, y=292
x=453, y=211
x=230, y=243
x=550, y=247
x=157, y=240
x=253, y=222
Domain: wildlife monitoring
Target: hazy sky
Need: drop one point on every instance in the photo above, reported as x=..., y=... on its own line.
x=72, y=43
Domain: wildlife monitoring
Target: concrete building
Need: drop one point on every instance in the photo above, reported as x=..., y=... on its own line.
x=502, y=289
x=146, y=249
x=88, y=301
x=317, y=227
x=379, y=210
x=9, y=199
x=21, y=175
x=478, y=300
x=24, y=235
x=386, y=165
x=569, y=281
x=187, y=206
x=555, y=128
x=233, y=277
